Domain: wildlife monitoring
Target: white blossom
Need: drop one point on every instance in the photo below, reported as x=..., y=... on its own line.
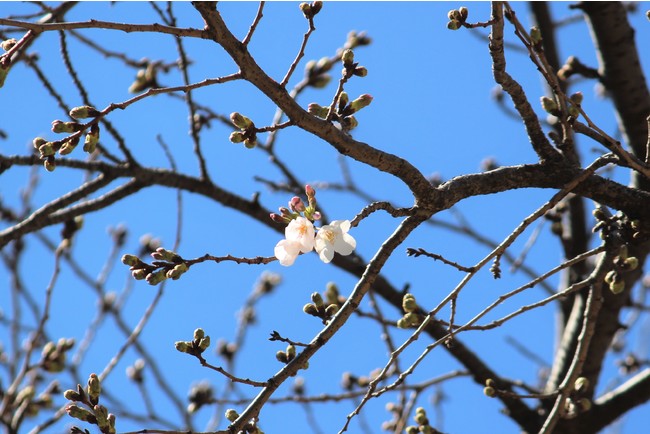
x=334, y=238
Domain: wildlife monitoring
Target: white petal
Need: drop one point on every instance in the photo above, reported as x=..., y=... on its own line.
x=345, y=244
x=286, y=252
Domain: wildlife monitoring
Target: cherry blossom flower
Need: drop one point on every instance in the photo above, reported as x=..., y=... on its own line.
x=299, y=237
x=334, y=238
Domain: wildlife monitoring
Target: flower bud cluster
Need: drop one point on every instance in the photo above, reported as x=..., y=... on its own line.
x=457, y=18
x=423, y=425
x=196, y=346
x=47, y=150
x=247, y=132
x=411, y=317
x=622, y=264
x=309, y=10
x=320, y=309
x=145, y=79
x=166, y=265
x=53, y=356
x=577, y=401
x=87, y=407
x=316, y=72
x=200, y=394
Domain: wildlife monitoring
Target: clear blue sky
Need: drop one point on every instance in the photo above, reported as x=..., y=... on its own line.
x=432, y=105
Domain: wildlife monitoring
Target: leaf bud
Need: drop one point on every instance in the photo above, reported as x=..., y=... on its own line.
x=240, y=121
x=8, y=44
x=83, y=112
x=347, y=57
x=231, y=415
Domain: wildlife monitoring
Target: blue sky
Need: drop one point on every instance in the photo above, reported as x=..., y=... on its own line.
x=432, y=105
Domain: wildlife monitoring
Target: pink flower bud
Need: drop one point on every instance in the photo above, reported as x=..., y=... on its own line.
x=296, y=204
x=309, y=191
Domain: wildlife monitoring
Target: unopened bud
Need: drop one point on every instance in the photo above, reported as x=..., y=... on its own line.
x=8, y=44
x=347, y=57
x=317, y=110
x=231, y=415
x=360, y=71
x=453, y=24
x=240, y=121
x=65, y=127
x=310, y=309
x=182, y=346
x=463, y=13
x=80, y=413
x=408, y=303
x=361, y=102
x=549, y=105
x=577, y=98
x=236, y=137
x=50, y=164
x=83, y=112
x=306, y=10
x=317, y=299
x=535, y=35
x=454, y=15
x=156, y=277
x=46, y=149
x=332, y=309
x=204, y=343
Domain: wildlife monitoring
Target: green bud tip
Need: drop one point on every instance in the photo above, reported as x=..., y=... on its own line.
x=72, y=395
x=281, y=357
x=402, y=323
x=46, y=149
x=156, y=277
x=317, y=110
x=199, y=334
x=291, y=352
x=464, y=12
x=577, y=98
x=236, y=137
x=581, y=384
x=408, y=303
x=631, y=263
x=250, y=143
x=139, y=274
x=38, y=142
x=489, y=391
x=94, y=386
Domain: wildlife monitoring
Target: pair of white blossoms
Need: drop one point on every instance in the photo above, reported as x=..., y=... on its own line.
x=301, y=237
